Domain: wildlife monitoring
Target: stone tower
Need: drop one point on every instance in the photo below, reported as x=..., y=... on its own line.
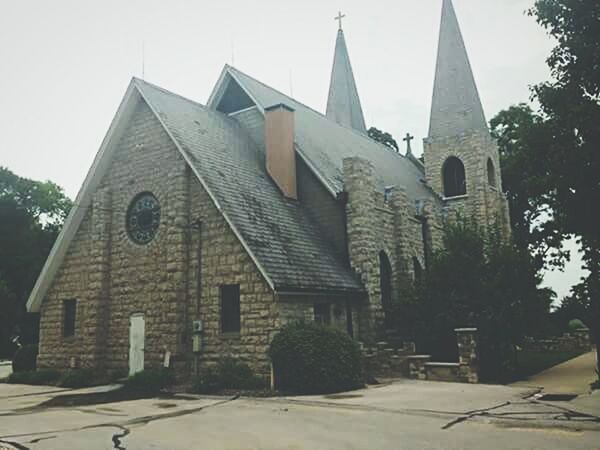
x=462, y=162
x=343, y=103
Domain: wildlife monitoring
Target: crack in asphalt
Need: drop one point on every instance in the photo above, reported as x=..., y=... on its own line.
x=565, y=414
x=14, y=444
x=124, y=427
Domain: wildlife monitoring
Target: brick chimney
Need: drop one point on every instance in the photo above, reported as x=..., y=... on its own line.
x=279, y=143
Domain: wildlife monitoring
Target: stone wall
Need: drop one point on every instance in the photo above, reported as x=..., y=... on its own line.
x=378, y=223
x=486, y=203
x=223, y=260
x=112, y=278
x=575, y=341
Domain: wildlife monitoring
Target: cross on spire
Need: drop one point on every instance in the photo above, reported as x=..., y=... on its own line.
x=407, y=139
x=339, y=18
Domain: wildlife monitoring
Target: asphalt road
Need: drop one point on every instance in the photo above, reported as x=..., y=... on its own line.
x=406, y=414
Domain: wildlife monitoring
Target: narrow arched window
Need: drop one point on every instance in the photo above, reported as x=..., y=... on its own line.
x=418, y=270
x=453, y=174
x=385, y=269
x=491, y=173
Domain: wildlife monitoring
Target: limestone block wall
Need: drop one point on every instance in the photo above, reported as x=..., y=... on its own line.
x=112, y=278
x=223, y=260
x=485, y=203
x=375, y=224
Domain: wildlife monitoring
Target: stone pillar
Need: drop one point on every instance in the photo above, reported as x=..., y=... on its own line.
x=467, y=354
x=583, y=339
x=96, y=307
x=417, y=366
x=359, y=184
x=402, y=207
x=174, y=317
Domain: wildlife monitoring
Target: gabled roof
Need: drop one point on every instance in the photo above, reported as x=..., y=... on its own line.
x=456, y=106
x=343, y=102
x=284, y=243
x=324, y=144
x=277, y=231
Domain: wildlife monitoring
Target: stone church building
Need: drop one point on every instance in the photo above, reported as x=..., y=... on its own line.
x=201, y=229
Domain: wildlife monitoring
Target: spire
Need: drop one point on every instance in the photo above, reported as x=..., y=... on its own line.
x=343, y=103
x=456, y=107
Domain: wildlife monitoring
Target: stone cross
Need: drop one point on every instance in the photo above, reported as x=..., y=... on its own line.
x=339, y=18
x=407, y=139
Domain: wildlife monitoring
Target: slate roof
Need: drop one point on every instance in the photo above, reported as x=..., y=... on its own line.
x=343, y=102
x=287, y=244
x=325, y=144
x=456, y=107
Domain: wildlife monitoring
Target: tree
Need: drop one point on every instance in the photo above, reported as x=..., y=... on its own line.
x=522, y=136
x=32, y=213
x=570, y=104
x=385, y=138
x=476, y=279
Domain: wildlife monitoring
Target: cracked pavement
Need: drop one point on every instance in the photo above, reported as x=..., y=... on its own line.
x=405, y=414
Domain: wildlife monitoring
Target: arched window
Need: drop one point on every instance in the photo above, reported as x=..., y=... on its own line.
x=491, y=173
x=453, y=174
x=418, y=270
x=385, y=269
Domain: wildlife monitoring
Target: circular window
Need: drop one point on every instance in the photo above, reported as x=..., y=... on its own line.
x=143, y=218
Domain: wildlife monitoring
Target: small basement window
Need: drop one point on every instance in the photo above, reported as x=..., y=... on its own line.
x=69, y=316
x=322, y=313
x=230, y=308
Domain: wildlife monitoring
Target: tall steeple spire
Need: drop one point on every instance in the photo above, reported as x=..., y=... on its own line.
x=343, y=103
x=456, y=106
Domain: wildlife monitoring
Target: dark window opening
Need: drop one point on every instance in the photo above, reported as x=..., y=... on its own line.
x=491, y=173
x=455, y=182
x=322, y=313
x=385, y=280
x=234, y=99
x=70, y=313
x=230, y=308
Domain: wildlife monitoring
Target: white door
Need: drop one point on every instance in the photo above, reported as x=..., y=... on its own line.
x=136, y=343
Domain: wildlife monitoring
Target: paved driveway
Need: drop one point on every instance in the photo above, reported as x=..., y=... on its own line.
x=406, y=414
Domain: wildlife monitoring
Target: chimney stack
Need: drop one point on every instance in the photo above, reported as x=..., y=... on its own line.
x=279, y=142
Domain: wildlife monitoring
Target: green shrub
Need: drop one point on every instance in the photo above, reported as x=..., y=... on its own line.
x=36, y=377
x=227, y=374
x=575, y=325
x=78, y=378
x=150, y=381
x=314, y=359
x=25, y=358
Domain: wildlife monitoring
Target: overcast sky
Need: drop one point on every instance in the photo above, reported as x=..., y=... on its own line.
x=65, y=65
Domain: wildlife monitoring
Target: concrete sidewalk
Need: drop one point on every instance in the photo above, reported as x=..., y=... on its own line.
x=571, y=377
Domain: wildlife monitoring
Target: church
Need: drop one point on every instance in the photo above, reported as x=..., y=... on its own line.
x=200, y=230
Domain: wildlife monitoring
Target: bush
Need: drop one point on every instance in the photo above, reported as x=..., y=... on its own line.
x=150, y=381
x=314, y=359
x=36, y=377
x=227, y=374
x=576, y=324
x=78, y=378
x=25, y=358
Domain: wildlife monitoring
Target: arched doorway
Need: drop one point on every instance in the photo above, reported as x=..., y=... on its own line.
x=385, y=280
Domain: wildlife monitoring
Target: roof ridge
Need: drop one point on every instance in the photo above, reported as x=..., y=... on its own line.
x=166, y=91
x=352, y=130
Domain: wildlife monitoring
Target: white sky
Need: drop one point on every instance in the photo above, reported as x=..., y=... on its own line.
x=65, y=65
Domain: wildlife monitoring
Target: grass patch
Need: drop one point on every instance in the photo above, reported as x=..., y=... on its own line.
x=34, y=377
x=227, y=375
x=149, y=382
x=531, y=362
